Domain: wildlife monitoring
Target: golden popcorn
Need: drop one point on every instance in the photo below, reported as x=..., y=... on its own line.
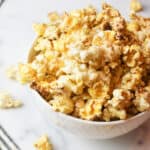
x=79, y=103
x=132, y=79
x=25, y=73
x=133, y=55
x=121, y=99
x=111, y=113
x=142, y=100
x=43, y=143
x=135, y=6
x=110, y=35
x=62, y=104
x=39, y=28
x=59, y=45
x=42, y=44
x=53, y=16
x=92, y=109
x=133, y=26
x=7, y=101
x=92, y=65
x=97, y=41
x=99, y=90
x=11, y=72
x=51, y=32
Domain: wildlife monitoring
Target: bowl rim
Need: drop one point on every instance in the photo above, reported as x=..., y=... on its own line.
x=89, y=121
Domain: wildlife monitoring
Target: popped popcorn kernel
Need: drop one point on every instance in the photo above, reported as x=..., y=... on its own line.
x=111, y=113
x=92, y=109
x=43, y=143
x=62, y=104
x=25, y=73
x=7, y=101
x=133, y=26
x=142, y=100
x=97, y=41
x=121, y=99
x=42, y=44
x=39, y=28
x=11, y=72
x=135, y=6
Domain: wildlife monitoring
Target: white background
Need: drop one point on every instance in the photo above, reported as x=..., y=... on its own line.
x=26, y=124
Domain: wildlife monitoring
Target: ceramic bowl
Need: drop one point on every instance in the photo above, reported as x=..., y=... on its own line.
x=89, y=129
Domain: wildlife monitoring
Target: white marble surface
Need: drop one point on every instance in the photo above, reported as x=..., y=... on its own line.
x=26, y=124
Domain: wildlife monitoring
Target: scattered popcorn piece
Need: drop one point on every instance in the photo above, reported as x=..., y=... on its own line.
x=110, y=113
x=11, y=72
x=43, y=143
x=121, y=99
x=7, y=101
x=53, y=16
x=92, y=109
x=135, y=6
x=142, y=100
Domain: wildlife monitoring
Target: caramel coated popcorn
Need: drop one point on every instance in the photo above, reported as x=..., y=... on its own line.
x=92, y=65
x=135, y=6
x=43, y=143
x=7, y=101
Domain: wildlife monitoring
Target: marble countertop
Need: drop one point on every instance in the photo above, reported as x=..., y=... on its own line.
x=26, y=124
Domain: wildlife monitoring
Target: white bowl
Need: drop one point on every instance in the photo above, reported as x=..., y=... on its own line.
x=89, y=129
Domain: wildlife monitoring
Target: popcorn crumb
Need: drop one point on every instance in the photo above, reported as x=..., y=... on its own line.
x=43, y=143
x=7, y=101
x=11, y=72
x=135, y=6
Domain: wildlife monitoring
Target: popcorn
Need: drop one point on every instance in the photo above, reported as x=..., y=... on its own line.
x=133, y=55
x=79, y=103
x=11, y=72
x=51, y=32
x=39, y=28
x=97, y=41
x=121, y=99
x=135, y=6
x=69, y=83
x=43, y=143
x=133, y=79
x=53, y=17
x=59, y=45
x=42, y=45
x=92, y=65
x=62, y=104
x=7, y=101
x=99, y=90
